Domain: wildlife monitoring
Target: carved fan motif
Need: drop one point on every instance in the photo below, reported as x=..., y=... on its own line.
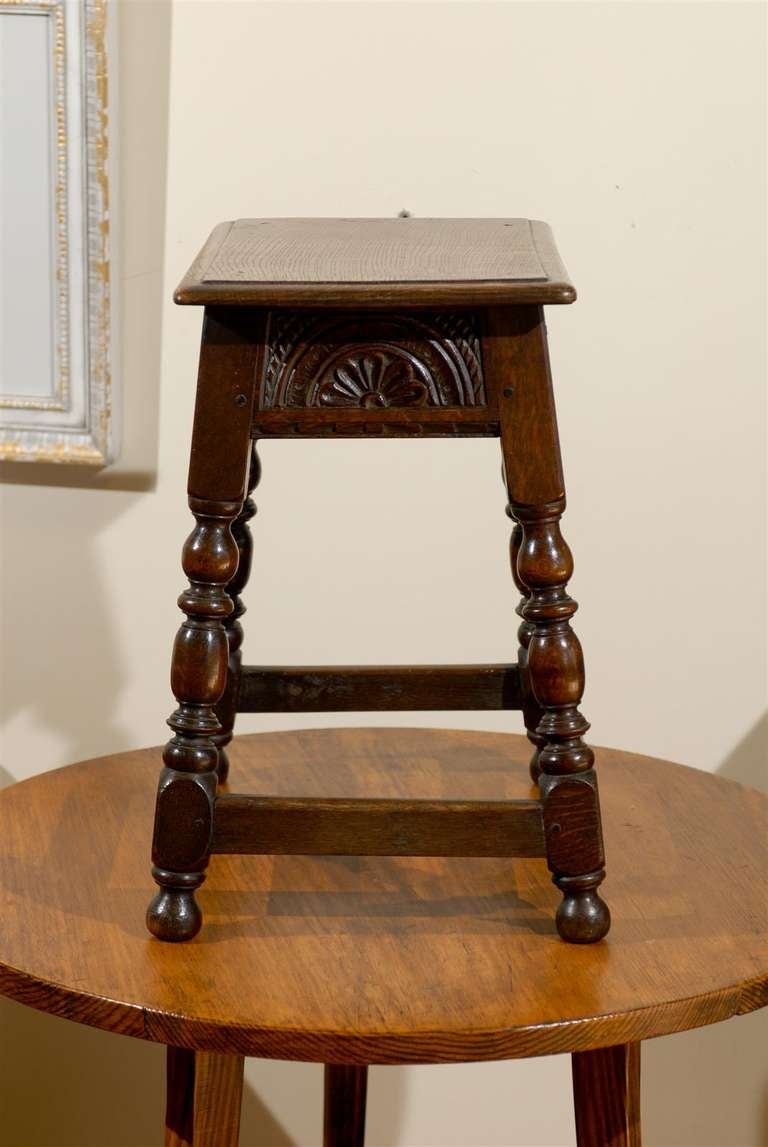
x=372, y=361
x=378, y=379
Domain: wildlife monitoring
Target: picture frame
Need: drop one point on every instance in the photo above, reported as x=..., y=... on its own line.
x=58, y=400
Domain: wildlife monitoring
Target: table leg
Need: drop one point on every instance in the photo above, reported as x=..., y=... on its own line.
x=344, y=1115
x=203, y=1095
x=606, y=1096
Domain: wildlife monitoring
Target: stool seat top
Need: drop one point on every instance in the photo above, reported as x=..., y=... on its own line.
x=377, y=262
x=385, y=959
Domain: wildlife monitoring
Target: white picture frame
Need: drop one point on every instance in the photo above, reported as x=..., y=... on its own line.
x=57, y=384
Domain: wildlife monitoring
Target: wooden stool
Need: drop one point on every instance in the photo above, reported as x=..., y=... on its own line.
x=340, y=328
x=317, y=959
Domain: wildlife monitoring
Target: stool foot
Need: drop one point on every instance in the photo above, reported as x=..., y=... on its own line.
x=203, y=1098
x=606, y=1096
x=346, y=1088
x=174, y=914
x=582, y=916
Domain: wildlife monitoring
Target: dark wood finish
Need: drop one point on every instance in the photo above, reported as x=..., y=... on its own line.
x=606, y=1096
x=224, y=406
x=517, y=346
x=370, y=362
x=365, y=286
x=386, y=372
x=346, y=1087
x=328, y=826
x=201, y=654
x=532, y=713
x=275, y=363
x=374, y=688
x=407, y=422
x=226, y=707
x=385, y=959
x=203, y=1098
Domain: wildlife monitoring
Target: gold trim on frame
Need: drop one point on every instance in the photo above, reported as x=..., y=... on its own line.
x=89, y=443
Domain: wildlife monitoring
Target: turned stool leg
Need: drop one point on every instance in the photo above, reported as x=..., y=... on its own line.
x=217, y=489
x=606, y=1096
x=344, y=1112
x=187, y=789
x=567, y=780
x=226, y=709
x=204, y=1092
x=531, y=712
x=553, y=659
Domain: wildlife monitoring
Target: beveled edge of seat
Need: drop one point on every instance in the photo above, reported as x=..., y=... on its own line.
x=194, y=290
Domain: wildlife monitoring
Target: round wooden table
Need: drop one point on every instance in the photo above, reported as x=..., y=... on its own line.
x=357, y=961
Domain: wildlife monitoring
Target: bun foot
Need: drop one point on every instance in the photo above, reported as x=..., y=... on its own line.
x=583, y=917
x=174, y=914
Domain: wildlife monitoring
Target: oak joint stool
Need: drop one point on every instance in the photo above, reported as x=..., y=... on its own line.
x=375, y=328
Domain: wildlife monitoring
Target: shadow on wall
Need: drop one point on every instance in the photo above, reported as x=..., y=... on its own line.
x=69, y=678
x=693, y=1093
x=66, y=1085
x=388, y=1088
x=708, y=1087
x=286, y=1086
x=748, y=763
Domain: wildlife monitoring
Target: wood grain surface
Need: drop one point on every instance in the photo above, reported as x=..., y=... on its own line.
x=204, y=1092
x=385, y=960
x=370, y=688
x=338, y=262
x=375, y=251
x=606, y=1094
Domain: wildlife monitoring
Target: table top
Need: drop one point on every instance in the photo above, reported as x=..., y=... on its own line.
x=383, y=959
x=377, y=262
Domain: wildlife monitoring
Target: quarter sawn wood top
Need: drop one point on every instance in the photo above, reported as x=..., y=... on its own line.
x=376, y=960
x=377, y=262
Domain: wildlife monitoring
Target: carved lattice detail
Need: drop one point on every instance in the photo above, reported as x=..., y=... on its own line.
x=377, y=361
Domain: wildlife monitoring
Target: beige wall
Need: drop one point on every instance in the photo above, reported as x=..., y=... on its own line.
x=638, y=131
